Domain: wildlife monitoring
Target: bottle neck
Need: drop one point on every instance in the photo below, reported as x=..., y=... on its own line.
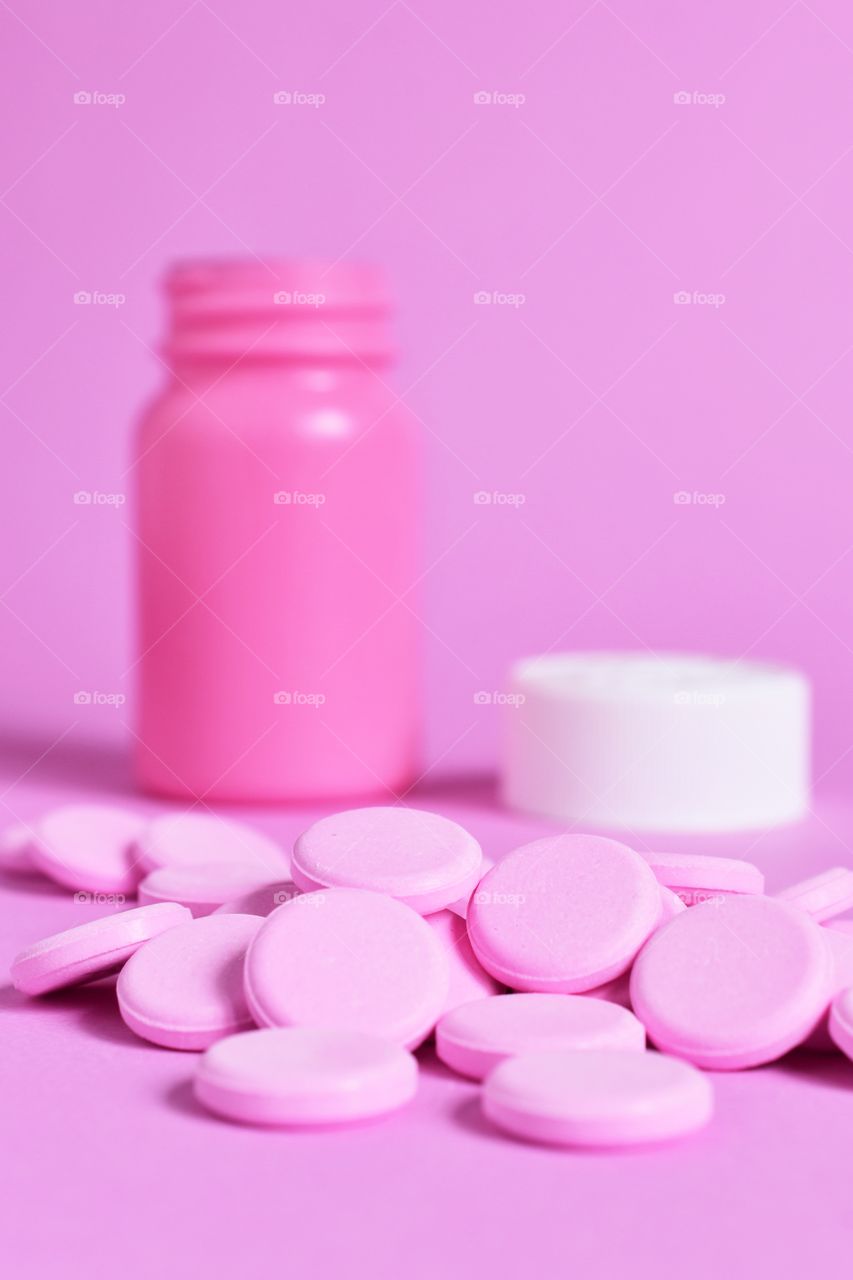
x=230, y=314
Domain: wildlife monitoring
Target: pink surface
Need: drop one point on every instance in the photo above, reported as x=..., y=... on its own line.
x=779, y=1143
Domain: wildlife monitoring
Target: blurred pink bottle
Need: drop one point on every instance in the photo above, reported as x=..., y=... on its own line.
x=276, y=523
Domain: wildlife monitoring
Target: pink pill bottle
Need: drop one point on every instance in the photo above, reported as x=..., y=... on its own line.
x=276, y=541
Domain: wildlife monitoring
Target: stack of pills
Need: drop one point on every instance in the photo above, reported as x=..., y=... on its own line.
x=310, y=984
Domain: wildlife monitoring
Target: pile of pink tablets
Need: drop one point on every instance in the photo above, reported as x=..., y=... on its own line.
x=309, y=982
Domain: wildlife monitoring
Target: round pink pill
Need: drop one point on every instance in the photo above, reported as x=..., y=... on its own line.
x=184, y=989
x=89, y=847
x=349, y=959
x=91, y=950
x=305, y=1076
x=425, y=860
x=468, y=978
x=563, y=914
x=841, y=1021
x=823, y=896
x=840, y=944
x=460, y=906
x=261, y=901
x=203, y=886
x=697, y=877
x=617, y=990
x=597, y=1097
x=670, y=905
x=732, y=984
x=475, y=1037
x=182, y=839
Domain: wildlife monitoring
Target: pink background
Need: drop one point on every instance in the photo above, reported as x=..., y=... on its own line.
x=597, y=400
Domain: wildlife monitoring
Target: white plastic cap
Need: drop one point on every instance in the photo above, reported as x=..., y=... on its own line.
x=672, y=743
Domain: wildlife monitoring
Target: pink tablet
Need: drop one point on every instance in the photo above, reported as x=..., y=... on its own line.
x=841, y=1021
x=823, y=896
x=184, y=990
x=563, y=914
x=349, y=959
x=475, y=1037
x=181, y=839
x=699, y=877
x=732, y=984
x=91, y=950
x=840, y=942
x=597, y=1097
x=305, y=1076
x=468, y=978
x=460, y=906
x=204, y=886
x=420, y=858
x=89, y=847
x=670, y=905
x=15, y=844
x=262, y=901
x=617, y=990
